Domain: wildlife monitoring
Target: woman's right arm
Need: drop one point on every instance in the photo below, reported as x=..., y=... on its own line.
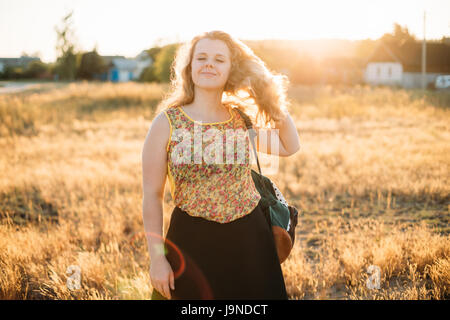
x=154, y=171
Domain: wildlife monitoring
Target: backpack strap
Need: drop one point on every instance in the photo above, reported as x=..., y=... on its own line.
x=251, y=132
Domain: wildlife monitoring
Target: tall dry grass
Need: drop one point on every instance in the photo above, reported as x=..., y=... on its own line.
x=371, y=180
x=25, y=113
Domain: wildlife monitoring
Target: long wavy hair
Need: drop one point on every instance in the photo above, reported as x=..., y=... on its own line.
x=251, y=86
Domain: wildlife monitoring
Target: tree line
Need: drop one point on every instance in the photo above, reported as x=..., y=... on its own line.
x=302, y=68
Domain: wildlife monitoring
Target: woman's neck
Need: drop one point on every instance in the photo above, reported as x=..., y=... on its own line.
x=207, y=101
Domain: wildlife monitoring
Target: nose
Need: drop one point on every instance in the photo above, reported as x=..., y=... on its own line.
x=208, y=67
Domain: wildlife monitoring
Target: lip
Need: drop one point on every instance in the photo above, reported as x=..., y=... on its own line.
x=209, y=73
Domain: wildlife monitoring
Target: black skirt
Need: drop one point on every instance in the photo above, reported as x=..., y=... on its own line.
x=211, y=260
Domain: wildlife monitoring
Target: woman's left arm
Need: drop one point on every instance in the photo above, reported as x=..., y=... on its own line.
x=283, y=140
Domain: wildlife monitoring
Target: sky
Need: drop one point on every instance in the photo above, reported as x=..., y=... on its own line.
x=128, y=27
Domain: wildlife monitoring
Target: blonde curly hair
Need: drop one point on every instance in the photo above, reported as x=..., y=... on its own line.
x=251, y=86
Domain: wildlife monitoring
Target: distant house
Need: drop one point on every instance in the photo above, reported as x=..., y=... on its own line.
x=402, y=65
x=121, y=69
x=383, y=67
x=23, y=61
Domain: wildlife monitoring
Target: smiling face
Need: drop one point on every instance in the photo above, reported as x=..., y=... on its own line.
x=211, y=64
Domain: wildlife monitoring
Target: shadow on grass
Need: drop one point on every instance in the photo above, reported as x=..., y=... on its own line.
x=393, y=207
x=23, y=206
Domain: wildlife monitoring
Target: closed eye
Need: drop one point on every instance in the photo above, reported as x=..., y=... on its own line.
x=204, y=59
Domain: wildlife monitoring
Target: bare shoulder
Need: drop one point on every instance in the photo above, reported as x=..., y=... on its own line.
x=160, y=122
x=159, y=131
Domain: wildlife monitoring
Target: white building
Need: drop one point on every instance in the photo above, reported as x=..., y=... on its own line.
x=404, y=66
x=23, y=62
x=383, y=67
x=121, y=69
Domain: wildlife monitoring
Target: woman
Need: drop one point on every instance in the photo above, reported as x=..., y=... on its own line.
x=218, y=244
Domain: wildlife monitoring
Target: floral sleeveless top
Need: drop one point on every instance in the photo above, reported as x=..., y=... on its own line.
x=209, y=166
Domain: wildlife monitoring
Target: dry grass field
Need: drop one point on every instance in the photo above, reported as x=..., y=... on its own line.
x=372, y=180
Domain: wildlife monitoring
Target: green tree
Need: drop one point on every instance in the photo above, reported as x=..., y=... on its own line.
x=399, y=36
x=149, y=75
x=35, y=69
x=163, y=62
x=153, y=52
x=67, y=60
x=10, y=72
x=91, y=63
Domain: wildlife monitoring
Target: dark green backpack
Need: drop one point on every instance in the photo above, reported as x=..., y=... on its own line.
x=281, y=217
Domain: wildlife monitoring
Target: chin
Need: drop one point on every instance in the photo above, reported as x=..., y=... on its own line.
x=206, y=85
